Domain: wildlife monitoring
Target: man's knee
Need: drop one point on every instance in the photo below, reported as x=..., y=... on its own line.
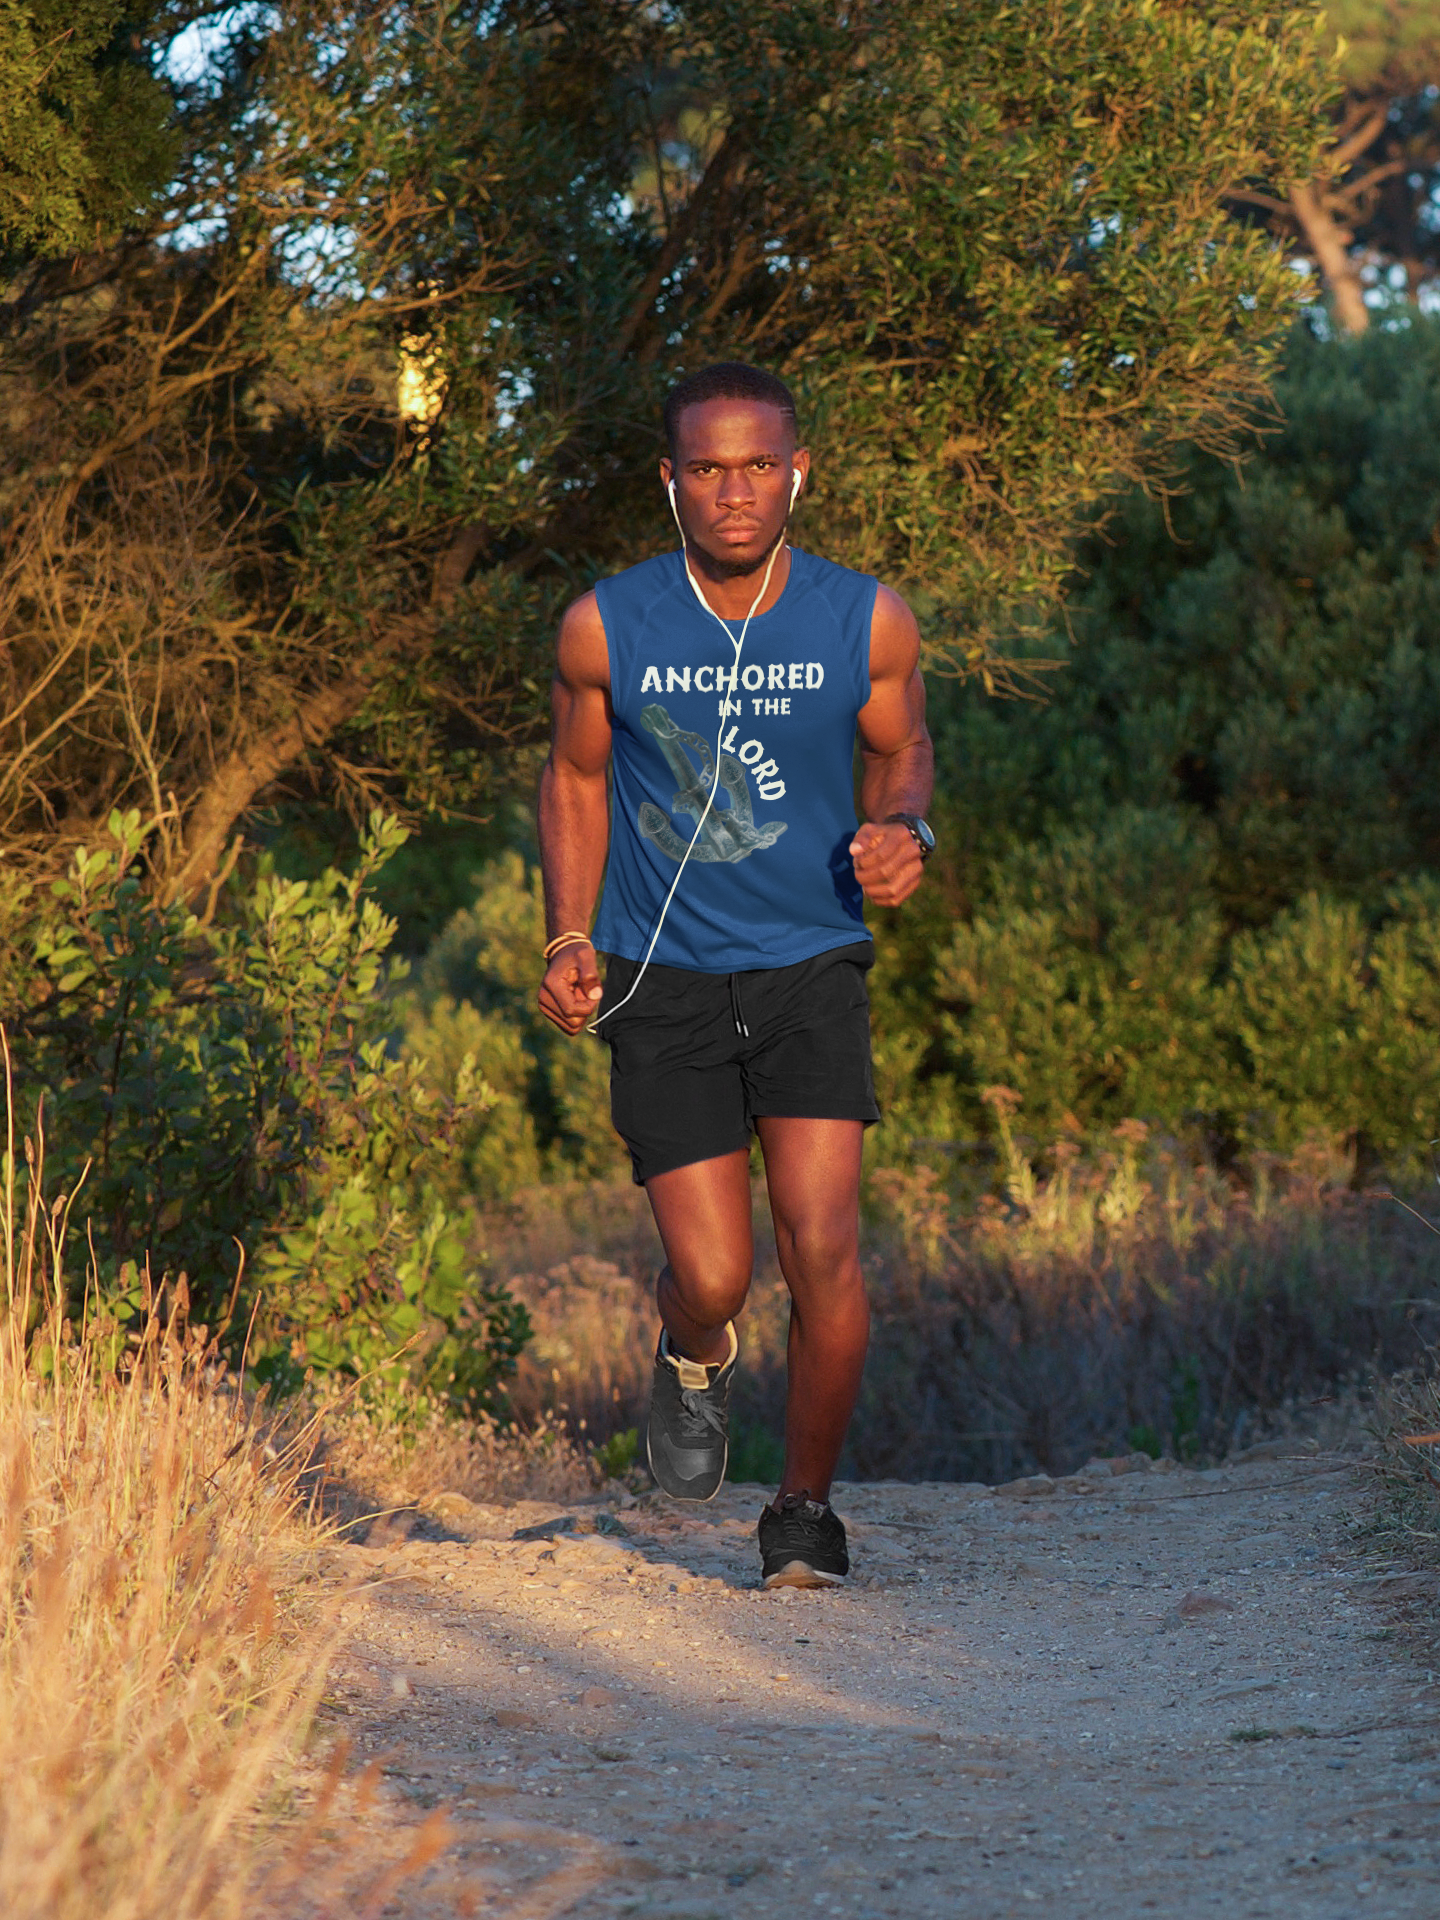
x=823, y=1249
x=712, y=1292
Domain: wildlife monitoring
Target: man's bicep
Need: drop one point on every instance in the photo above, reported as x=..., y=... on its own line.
x=580, y=692
x=895, y=712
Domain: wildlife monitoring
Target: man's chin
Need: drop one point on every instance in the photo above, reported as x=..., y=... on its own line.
x=731, y=563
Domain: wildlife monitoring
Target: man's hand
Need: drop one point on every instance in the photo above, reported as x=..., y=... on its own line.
x=887, y=862
x=571, y=989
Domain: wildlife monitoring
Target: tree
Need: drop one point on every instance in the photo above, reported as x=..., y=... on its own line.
x=84, y=135
x=989, y=244
x=1203, y=879
x=1377, y=208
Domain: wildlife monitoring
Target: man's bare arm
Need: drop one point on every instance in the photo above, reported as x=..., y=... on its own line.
x=899, y=761
x=574, y=812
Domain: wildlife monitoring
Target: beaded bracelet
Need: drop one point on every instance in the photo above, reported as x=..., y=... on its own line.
x=564, y=940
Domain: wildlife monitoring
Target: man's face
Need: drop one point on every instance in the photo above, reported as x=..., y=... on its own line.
x=734, y=467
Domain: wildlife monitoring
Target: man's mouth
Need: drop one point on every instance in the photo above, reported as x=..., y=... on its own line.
x=738, y=530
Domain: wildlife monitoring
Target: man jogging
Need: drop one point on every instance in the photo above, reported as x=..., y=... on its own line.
x=724, y=686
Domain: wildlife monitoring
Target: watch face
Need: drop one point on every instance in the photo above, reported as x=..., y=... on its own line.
x=922, y=827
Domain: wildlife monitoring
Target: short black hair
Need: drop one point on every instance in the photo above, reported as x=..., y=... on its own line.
x=726, y=380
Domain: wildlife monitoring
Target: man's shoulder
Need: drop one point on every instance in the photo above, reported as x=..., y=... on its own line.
x=647, y=579
x=820, y=572
x=844, y=588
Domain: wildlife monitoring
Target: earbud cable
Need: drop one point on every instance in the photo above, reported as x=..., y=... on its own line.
x=734, y=684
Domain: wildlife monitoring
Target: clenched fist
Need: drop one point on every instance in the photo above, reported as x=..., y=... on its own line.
x=571, y=989
x=887, y=861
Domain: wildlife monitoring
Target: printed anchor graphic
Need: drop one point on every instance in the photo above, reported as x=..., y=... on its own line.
x=730, y=834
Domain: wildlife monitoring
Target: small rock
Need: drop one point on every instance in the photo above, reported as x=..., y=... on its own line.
x=1195, y=1606
x=607, y=1523
x=400, y=1687
x=451, y=1506
x=1096, y=1470
x=547, y=1529
x=1073, y=1483
x=518, y=1722
x=1031, y=1487
x=598, y=1697
x=1131, y=1463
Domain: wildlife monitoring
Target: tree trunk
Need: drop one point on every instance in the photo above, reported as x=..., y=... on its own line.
x=246, y=772
x=1328, y=241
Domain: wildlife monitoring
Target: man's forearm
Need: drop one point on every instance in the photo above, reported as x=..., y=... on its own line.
x=574, y=824
x=899, y=782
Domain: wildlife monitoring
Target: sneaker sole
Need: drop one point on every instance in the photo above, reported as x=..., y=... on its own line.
x=796, y=1573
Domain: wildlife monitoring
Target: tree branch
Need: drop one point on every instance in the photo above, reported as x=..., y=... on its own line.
x=1328, y=241
x=251, y=768
x=1370, y=127
x=716, y=175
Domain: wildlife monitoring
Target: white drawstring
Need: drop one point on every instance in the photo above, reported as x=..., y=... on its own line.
x=594, y=1026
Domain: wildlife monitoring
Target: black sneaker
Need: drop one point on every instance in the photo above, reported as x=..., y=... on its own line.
x=802, y=1544
x=687, y=1440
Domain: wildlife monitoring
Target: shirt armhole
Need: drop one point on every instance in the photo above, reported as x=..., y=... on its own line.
x=599, y=590
x=868, y=625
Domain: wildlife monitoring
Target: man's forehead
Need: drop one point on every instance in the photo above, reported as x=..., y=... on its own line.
x=729, y=430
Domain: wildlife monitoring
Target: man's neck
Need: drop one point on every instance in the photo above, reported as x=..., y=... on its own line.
x=733, y=594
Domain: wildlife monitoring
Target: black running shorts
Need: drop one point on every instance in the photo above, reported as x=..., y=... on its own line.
x=697, y=1058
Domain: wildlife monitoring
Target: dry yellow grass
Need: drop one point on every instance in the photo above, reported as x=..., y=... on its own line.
x=157, y=1673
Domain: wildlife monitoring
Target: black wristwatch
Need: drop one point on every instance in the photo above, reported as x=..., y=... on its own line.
x=920, y=831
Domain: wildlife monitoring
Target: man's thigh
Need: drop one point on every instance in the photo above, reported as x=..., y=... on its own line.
x=812, y=1172
x=702, y=1211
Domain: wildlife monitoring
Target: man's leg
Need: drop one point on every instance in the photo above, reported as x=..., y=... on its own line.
x=703, y=1214
x=812, y=1169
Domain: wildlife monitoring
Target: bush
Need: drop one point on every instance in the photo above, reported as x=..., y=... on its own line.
x=232, y=1089
x=1197, y=884
x=475, y=992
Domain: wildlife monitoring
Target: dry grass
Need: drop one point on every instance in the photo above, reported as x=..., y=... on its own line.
x=375, y=1474
x=1087, y=1301
x=1406, y=1520
x=158, y=1670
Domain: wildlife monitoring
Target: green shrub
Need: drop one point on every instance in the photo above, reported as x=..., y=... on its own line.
x=476, y=988
x=213, y=1089
x=1198, y=883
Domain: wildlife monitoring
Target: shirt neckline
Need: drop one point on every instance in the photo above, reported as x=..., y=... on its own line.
x=738, y=619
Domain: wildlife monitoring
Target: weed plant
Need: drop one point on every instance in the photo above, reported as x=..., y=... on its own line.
x=158, y=1673
x=1091, y=1299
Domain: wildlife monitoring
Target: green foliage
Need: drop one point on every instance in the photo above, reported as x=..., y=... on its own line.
x=84, y=139
x=476, y=994
x=991, y=244
x=757, y=1455
x=619, y=1454
x=232, y=1090
x=1198, y=884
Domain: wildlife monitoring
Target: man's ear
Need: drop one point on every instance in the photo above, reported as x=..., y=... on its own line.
x=667, y=471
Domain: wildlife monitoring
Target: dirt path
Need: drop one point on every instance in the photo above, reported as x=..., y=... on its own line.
x=1154, y=1693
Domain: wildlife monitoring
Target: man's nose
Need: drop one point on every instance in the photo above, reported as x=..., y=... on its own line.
x=736, y=490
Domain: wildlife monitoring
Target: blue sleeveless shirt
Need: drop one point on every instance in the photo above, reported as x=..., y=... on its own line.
x=770, y=880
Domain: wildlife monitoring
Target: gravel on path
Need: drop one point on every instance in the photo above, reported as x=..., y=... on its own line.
x=1132, y=1692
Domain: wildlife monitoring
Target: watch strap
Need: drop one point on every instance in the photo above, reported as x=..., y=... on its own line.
x=912, y=823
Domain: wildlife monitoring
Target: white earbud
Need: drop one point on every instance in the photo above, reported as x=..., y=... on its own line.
x=795, y=485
